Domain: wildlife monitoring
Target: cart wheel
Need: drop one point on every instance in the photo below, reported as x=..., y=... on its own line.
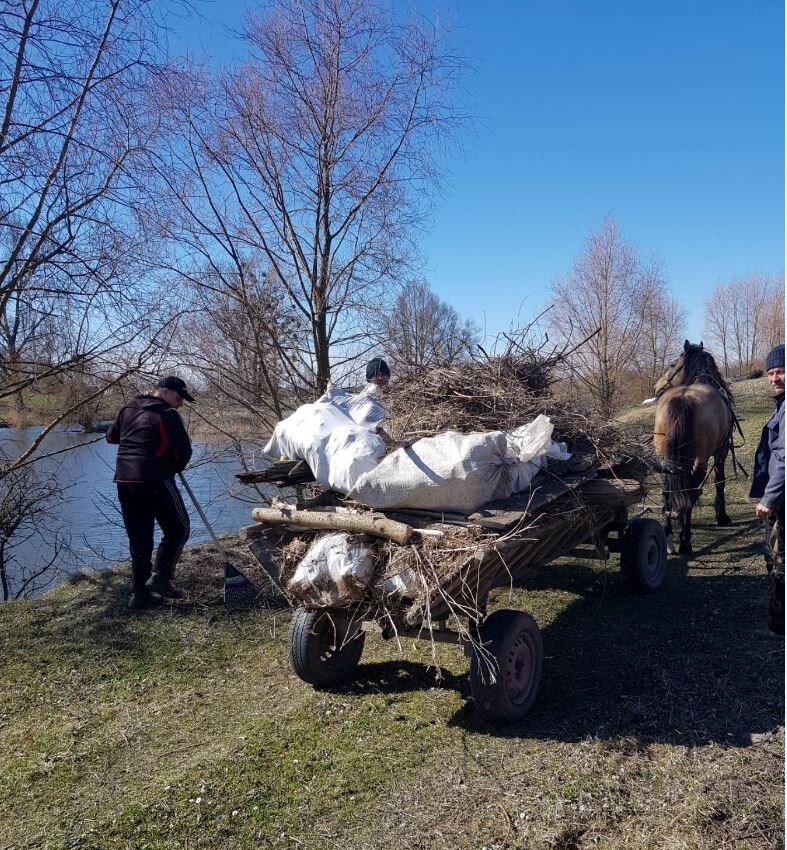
x=325, y=646
x=643, y=555
x=514, y=657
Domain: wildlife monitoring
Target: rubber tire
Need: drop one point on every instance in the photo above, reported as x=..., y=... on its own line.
x=312, y=647
x=514, y=641
x=643, y=555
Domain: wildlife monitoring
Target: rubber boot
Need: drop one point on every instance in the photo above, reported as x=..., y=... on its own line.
x=142, y=599
x=161, y=585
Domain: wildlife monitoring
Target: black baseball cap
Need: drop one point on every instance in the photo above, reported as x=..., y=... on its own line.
x=176, y=384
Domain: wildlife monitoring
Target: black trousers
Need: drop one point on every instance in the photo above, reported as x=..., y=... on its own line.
x=773, y=528
x=142, y=505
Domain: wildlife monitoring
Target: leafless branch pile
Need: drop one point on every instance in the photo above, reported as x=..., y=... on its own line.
x=501, y=392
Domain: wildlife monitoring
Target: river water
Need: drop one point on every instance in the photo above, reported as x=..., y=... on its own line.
x=88, y=519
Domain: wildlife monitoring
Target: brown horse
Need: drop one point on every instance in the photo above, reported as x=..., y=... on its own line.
x=694, y=421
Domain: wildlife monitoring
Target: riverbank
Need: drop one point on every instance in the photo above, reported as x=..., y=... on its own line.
x=205, y=422
x=659, y=723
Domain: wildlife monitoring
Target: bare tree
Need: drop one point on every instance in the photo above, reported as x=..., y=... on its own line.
x=28, y=503
x=664, y=320
x=313, y=160
x=76, y=132
x=773, y=319
x=80, y=309
x=745, y=317
x=241, y=338
x=421, y=331
x=608, y=291
x=718, y=323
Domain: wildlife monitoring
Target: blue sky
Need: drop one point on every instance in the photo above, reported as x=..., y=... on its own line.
x=669, y=116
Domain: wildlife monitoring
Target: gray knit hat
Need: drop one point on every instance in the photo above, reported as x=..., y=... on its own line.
x=775, y=359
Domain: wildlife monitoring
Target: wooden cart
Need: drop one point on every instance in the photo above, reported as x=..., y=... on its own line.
x=578, y=503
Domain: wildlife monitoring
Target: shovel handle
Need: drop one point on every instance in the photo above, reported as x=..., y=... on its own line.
x=196, y=504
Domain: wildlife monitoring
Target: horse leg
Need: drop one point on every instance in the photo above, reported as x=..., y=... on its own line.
x=685, y=533
x=667, y=514
x=719, y=478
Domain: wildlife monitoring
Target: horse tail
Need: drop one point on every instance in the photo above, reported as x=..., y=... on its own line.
x=680, y=486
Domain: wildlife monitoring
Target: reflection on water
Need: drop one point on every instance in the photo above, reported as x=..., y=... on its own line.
x=89, y=514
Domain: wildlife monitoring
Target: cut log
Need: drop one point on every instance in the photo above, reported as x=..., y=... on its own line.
x=329, y=519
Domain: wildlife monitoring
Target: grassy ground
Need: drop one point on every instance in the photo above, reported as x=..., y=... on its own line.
x=659, y=723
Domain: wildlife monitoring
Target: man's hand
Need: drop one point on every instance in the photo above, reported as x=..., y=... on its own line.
x=762, y=511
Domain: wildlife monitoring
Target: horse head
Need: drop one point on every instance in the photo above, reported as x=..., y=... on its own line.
x=694, y=363
x=673, y=377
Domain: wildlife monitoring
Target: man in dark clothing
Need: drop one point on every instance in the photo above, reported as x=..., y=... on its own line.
x=152, y=447
x=768, y=488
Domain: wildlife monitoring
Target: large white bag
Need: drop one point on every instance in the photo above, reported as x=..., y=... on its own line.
x=364, y=408
x=337, y=449
x=459, y=472
x=531, y=444
x=333, y=571
x=447, y=472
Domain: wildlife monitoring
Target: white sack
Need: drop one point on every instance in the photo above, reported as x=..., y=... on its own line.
x=406, y=584
x=337, y=449
x=333, y=572
x=364, y=408
x=531, y=444
x=459, y=472
x=447, y=472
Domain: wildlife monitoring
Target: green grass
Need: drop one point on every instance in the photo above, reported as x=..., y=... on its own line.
x=659, y=723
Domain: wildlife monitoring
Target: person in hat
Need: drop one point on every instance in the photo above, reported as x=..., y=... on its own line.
x=768, y=489
x=377, y=372
x=153, y=447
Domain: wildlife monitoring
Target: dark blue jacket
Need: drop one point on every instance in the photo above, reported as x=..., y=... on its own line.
x=768, y=478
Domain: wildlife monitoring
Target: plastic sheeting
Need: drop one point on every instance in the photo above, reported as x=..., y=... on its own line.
x=364, y=408
x=448, y=472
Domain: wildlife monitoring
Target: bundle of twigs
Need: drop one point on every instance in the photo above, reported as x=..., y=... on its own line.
x=499, y=392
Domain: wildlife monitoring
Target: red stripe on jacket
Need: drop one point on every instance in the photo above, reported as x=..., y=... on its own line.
x=164, y=444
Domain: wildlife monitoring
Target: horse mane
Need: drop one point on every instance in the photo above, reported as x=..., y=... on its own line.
x=699, y=367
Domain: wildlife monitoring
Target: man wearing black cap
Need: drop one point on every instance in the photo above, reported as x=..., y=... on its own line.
x=152, y=447
x=768, y=488
x=377, y=372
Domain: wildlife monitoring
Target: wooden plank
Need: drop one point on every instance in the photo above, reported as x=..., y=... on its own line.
x=426, y=519
x=503, y=516
x=613, y=491
x=285, y=473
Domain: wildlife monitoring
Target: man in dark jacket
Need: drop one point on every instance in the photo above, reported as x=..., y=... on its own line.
x=768, y=488
x=152, y=447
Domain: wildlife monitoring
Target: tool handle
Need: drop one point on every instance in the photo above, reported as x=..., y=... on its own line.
x=200, y=511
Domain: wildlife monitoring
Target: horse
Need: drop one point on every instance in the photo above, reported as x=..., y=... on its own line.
x=694, y=422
